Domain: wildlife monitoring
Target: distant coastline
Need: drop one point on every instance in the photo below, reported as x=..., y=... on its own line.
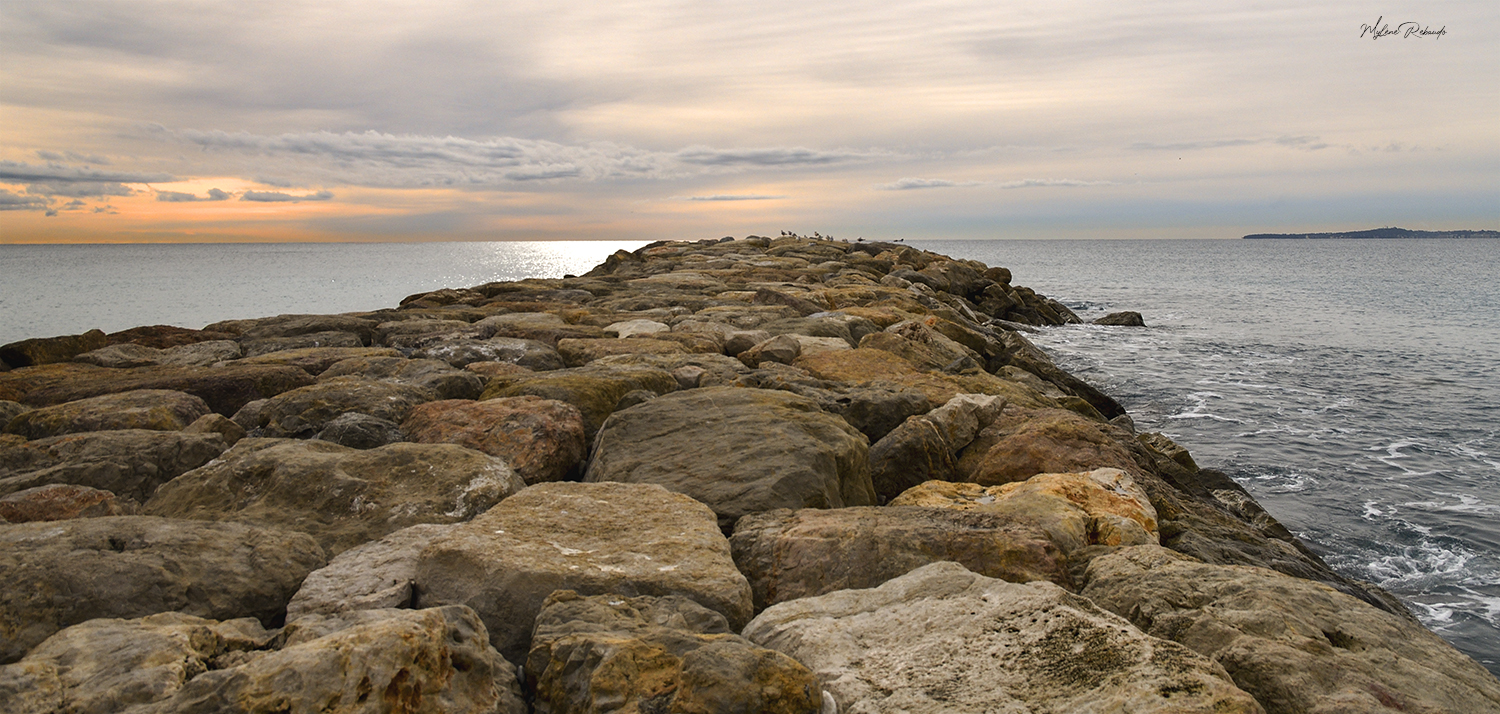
x=1382, y=233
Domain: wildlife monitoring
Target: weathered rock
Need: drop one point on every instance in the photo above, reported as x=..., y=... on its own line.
x=47, y=350
x=310, y=341
x=62, y=573
x=445, y=381
x=1077, y=510
x=770, y=450
x=631, y=328
x=304, y=411
x=298, y=325
x=225, y=389
x=595, y=390
x=314, y=360
x=613, y=653
x=876, y=409
x=436, y=660
x=715, y=369
x=121, y=355
x=542, y=439
x=793, y=554
x=361, y=431
x=60, y=502
x=153, y=409
x=131, y=463
x=406, y=333
x=341, y=496
x=565, y=536
x=1128, y=318
x=1022, y=443
x=202, y=354
x=112, y=665
x=526, y=353
x=579, y=352
x=926, y=447
x=943, y=639
x=217, y=424
x=10, y=410
x=370, y=576
x=1298, y=646
x=544, y=327
x=782, y=349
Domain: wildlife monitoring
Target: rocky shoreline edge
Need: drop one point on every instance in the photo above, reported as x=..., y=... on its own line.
x=760, y=475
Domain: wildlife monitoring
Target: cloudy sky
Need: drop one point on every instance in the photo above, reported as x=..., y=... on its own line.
x=625, y=120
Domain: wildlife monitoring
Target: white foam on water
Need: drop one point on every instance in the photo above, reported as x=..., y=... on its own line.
x=1373, y=513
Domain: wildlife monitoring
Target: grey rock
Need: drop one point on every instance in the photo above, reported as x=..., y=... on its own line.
x=361, y=431
x=131, y=463
x=304, y=411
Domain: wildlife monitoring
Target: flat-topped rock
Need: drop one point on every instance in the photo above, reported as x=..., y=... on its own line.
x=130, y=463
x=152, y=409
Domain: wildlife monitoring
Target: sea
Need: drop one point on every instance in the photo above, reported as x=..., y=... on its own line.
x=1352, y=386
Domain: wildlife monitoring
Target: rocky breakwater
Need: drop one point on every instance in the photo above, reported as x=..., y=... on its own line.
x=758, y=475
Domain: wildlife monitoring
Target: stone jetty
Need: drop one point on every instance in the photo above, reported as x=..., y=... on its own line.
x=759, y=475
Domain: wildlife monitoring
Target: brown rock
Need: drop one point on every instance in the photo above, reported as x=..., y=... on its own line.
x=341, y=496
x=595, y=390
x=1298, y=646
x=793, y=554
x=47, y=350
x=62, y=573
x=304, y=411
x=542, y=439
x=579, y=352
x=60, y=502
x=314, y=360
x=614, y=653
x=131, y=463
x=121, y=355
x=153, y=409
x=217, y=424
x=738, y=450
x=1023, y=443
x=566, y=536
x=225, y=389
x=165, y=336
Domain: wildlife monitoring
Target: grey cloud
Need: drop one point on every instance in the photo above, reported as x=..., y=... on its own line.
x=795, y=156
x=79, y=189
x=1309, y=143
x=72, y=156
x=14, y=202
x=908, y=184
x=179, y=197
x=1034, y=183
x=732, y=197
x=279, y=197
x=54, y=173
x=374, y=158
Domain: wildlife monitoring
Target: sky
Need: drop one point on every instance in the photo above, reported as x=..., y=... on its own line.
x=284, y=120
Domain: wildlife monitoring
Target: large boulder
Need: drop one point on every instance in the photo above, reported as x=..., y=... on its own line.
x=131, y=463
x=1077, y=510
x=297, y=325
x=542, y=439
x=1022, y=443
x=434, y=661
x=125, y=354
x=154, y=409
x=793, y=554
x=371, y=576
x=341, y=496
x=738, y=450
x=568, y=536
x=304, y=411
x=943, y=639
x=578, y=352
x=1297, y=645
x=614, y=653
x=61, y=573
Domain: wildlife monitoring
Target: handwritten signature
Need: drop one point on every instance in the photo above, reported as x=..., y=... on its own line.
x=1406, y=29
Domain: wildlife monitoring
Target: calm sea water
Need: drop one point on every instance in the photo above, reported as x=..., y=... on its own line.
x=1351, y=386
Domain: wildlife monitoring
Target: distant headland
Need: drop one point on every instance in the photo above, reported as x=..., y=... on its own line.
x=1382, y=233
